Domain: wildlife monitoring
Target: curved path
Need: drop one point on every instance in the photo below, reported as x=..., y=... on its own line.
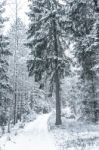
x=35, y=136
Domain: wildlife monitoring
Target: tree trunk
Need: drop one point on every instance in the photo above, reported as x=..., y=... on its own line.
x=15, y=108
x=95, y=119
x=9, y=124
x=21, y=107
x=95, y=112
x=57, y=82
x=95, y=102
x=58, y=101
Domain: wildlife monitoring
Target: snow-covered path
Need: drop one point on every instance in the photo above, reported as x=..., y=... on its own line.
x=35, y=136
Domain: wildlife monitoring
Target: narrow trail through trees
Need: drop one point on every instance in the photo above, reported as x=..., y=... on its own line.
x=35, y=136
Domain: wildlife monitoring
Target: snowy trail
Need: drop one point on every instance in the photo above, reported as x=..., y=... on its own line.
x=35, y=136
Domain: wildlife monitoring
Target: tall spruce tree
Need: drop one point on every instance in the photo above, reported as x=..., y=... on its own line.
x=83, y=20
x=5, y=88
x=45, y=36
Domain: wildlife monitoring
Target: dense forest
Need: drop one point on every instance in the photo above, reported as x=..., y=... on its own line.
x=51, y=66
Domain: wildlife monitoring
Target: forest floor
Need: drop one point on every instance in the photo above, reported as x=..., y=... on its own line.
x=75, y=135
x=34, y=136
x=42, y=134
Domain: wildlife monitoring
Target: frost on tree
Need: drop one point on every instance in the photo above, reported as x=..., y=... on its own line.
x=45, y=39
x=83, y=16
x=5, y=89
x=24, y=84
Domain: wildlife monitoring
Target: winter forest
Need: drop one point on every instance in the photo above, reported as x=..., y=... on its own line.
x=49, y=74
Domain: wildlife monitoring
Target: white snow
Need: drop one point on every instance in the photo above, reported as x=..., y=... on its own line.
x=74, y=134
x=34, y=136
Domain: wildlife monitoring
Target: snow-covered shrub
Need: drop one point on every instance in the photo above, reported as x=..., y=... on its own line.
x=51, y=121
x=21, y=126
x=67, y=113
x=30, y=117
x=39, y=101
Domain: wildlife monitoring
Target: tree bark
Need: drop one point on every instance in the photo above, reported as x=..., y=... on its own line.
x=95, y=101
x=58, y=100
x=57, y=82
x=15, y=108
x=9, y=123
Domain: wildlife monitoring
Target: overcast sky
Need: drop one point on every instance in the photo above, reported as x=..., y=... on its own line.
x=10, y=11
x=22, y=9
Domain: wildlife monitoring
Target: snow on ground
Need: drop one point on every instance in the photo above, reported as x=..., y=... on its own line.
x=75, y=135
x=42, y=134
x=35, y=136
